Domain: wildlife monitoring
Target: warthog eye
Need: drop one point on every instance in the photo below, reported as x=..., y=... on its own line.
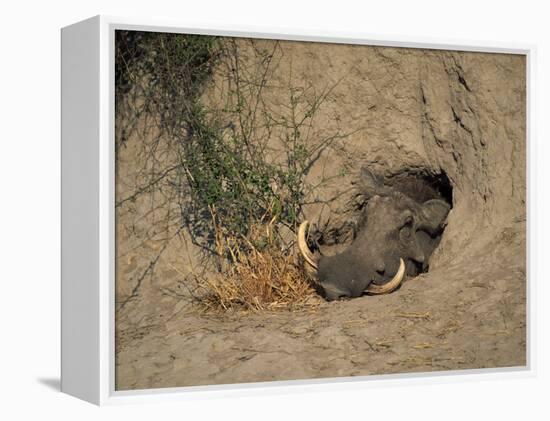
x=406, y=230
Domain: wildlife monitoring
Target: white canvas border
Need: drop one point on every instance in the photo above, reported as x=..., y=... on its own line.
x=107, y=394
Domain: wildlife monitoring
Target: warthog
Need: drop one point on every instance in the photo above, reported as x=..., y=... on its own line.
x=396, y=235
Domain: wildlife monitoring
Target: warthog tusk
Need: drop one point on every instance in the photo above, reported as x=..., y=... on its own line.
x=389, y=286
x=302, y=245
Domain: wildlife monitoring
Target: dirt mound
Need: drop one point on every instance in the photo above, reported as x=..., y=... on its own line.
x=457, y=114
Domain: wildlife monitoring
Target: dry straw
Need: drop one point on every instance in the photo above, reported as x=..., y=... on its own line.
x=265, y=281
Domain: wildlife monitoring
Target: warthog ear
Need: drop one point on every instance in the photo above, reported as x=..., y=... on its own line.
x=432, y=215
x=369, y=184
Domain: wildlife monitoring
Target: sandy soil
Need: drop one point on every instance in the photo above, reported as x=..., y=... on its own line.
x=460, y=112
x=451, y=318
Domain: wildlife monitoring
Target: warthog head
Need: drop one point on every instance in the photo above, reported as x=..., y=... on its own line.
x=396, y=235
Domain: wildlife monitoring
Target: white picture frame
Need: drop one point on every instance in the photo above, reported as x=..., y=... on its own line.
x=88, y=240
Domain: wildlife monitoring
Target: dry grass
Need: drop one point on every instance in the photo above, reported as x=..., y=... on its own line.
x=265, y=281
x=424, y=316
